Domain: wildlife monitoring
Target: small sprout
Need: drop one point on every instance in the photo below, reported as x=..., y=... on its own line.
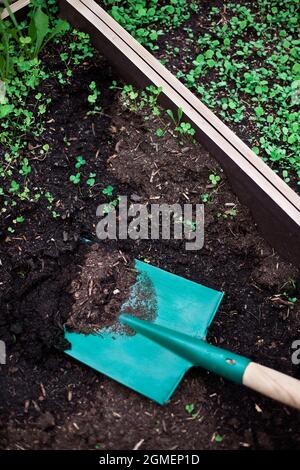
x=190, y=408
x=91, y=179
x=108, y=191
x=285, y=175
x=205, y=197
x=259, y=111
x=192, y=225
x=18, y=220
x=185, y=128
x=217, y=437
x=14, y=187
x=75, y=179
x=41, y=109
x=232, y=212
x=92, y=98
x=171, y=116
x=80, y=161
x=160, y=132
x=26, y=168
x=114, y=85
x=214, y=179
x=49, y=197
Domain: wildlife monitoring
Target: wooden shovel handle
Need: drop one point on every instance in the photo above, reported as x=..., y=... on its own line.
x=273, y=384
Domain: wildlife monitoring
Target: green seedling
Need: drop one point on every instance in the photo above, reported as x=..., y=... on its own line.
x=91, y=179
x=75, y=179
x=205, y=197
x=214, y=179
x=185, y=129
x=93, y=98
x=217, y=438
x=160, y=132
x=19, y=220
x=108, y=191
x=232, y=212
x=80, y=161
x=176, y=121
x=190, y=408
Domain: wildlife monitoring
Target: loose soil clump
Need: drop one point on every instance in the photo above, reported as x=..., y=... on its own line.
x=99, y=287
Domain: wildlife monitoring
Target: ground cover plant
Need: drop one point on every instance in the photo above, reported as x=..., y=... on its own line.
x=90, y=139
x=147, y=20
x=242, y=59
x=22, y=110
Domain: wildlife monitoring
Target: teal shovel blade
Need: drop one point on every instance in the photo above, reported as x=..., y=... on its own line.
x=137, y=361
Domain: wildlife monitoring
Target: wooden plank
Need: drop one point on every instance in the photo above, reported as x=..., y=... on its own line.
x=275, y=206
x=15, y=8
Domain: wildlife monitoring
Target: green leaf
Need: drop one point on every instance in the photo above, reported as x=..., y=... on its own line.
x=169, y=9
x=189, y=408
x=108, y=190
x=14, y=187
x=75, y=179
x=60, y=28
x=211, y=63
x=90, y=181
x=5, y=109
x=171, y=115
x=296, y=69
x=25, y=40
x=41, y=24
x=159, y=132
x=153, y=35
x=292, y=139
x=80, y=161
x=179, y=114
x=19, y=220
x=259, y=111
x=209, y=54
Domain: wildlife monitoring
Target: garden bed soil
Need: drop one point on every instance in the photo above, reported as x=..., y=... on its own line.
x=187, y=51
x=178, y=49
x=50, y=401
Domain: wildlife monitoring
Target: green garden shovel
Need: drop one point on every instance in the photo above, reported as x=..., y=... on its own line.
x=154, y=360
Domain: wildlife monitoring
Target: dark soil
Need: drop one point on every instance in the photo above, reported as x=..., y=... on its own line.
x=48, y=400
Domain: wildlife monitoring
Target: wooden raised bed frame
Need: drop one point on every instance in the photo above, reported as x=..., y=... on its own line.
x=274, y=205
